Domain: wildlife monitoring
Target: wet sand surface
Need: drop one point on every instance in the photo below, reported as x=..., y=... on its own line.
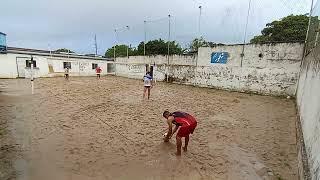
x=93, y=129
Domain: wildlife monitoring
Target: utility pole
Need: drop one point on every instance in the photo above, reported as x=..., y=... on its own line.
x=169, y=36
x=145, y=38
x=114, y=47
x=245, y=33
x=95, y=44
x=32, y=85
x=306, y=41
x=128, y=43
x=199, y=25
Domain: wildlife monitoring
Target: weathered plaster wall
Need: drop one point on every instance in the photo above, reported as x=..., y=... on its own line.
x=308, y=102
x=14, y=65
x=8, y=67
x=135, y=66
x=78, y=67
x=265, y=69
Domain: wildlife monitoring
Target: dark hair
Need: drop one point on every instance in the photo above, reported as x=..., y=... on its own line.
x=166, y=113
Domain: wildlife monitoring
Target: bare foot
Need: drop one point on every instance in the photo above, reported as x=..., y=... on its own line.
x=185, y=149
x=178, y=153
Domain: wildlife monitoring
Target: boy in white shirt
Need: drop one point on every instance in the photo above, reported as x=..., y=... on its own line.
x=147, y=82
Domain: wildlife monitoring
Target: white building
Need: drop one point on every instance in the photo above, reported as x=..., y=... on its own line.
x=16, y=63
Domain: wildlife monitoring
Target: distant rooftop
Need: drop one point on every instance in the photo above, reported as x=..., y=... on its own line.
x=54, y=53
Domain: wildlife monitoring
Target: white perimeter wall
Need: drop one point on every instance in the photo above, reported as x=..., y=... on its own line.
x=275, y=72
x=8, y=66
x=135, y=66
x=13, y=66
x=308, y=102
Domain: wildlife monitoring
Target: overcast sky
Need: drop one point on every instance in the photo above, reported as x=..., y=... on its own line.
x=45, y=24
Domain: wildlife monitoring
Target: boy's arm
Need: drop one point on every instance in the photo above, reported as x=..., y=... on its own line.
x=174, y=131
x=169, y=121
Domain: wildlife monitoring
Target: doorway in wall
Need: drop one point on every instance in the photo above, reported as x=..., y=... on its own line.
x=149, y=69
x=21, y=66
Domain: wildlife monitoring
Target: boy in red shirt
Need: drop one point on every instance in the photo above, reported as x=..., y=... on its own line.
x=98, y=72
x=184, y=124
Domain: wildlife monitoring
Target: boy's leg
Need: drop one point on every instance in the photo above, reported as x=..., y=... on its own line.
x=144, y=91
x=149, y=93
x=179, y=144
x=186, y=141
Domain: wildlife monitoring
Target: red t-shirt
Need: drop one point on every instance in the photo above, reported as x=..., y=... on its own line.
x=98, y=70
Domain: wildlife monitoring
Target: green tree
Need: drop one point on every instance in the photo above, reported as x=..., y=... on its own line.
x=155, y=47
x=159, y=47
x=200, y=42
x=288, y=29
x=64, y=50
x=121, y=51
x=197, y=43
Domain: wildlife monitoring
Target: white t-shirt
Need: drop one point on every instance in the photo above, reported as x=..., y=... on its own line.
x=66, y=70
x=147, y=79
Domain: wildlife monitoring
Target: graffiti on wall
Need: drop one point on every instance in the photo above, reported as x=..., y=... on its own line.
x=83, y=66
x=219, y=57
x=135, y=68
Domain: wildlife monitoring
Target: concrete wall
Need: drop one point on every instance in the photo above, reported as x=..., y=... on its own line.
x=8, y=66
x=265, y=69
x=308, y=102
x=78, y=67
x=135, y=66
x=14, y=65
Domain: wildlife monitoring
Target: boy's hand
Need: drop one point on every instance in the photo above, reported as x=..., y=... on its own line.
x=165, y=139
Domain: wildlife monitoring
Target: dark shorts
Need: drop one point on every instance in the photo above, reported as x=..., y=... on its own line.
x=148, y=87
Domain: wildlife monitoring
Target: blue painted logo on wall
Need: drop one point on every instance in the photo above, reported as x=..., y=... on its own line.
x=219, y=57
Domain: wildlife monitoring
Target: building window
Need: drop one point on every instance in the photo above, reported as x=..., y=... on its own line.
x=66, y=65
x=94, y=66
x=28, y=63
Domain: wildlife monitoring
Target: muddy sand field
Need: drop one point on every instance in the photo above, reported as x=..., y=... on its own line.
x=89, y=129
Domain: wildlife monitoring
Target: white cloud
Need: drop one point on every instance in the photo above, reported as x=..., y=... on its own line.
x=73, y=23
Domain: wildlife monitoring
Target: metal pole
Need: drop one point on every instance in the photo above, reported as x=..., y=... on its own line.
x=128, y=43
x=308, y=31
x=169, y=34
x=145, y=38
x=32, y=85
x=199, y=35
x=95, y=44
x=199, y=25
x=115, y=44
x=305, y=46
x=127, y=51
x=245, y=33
